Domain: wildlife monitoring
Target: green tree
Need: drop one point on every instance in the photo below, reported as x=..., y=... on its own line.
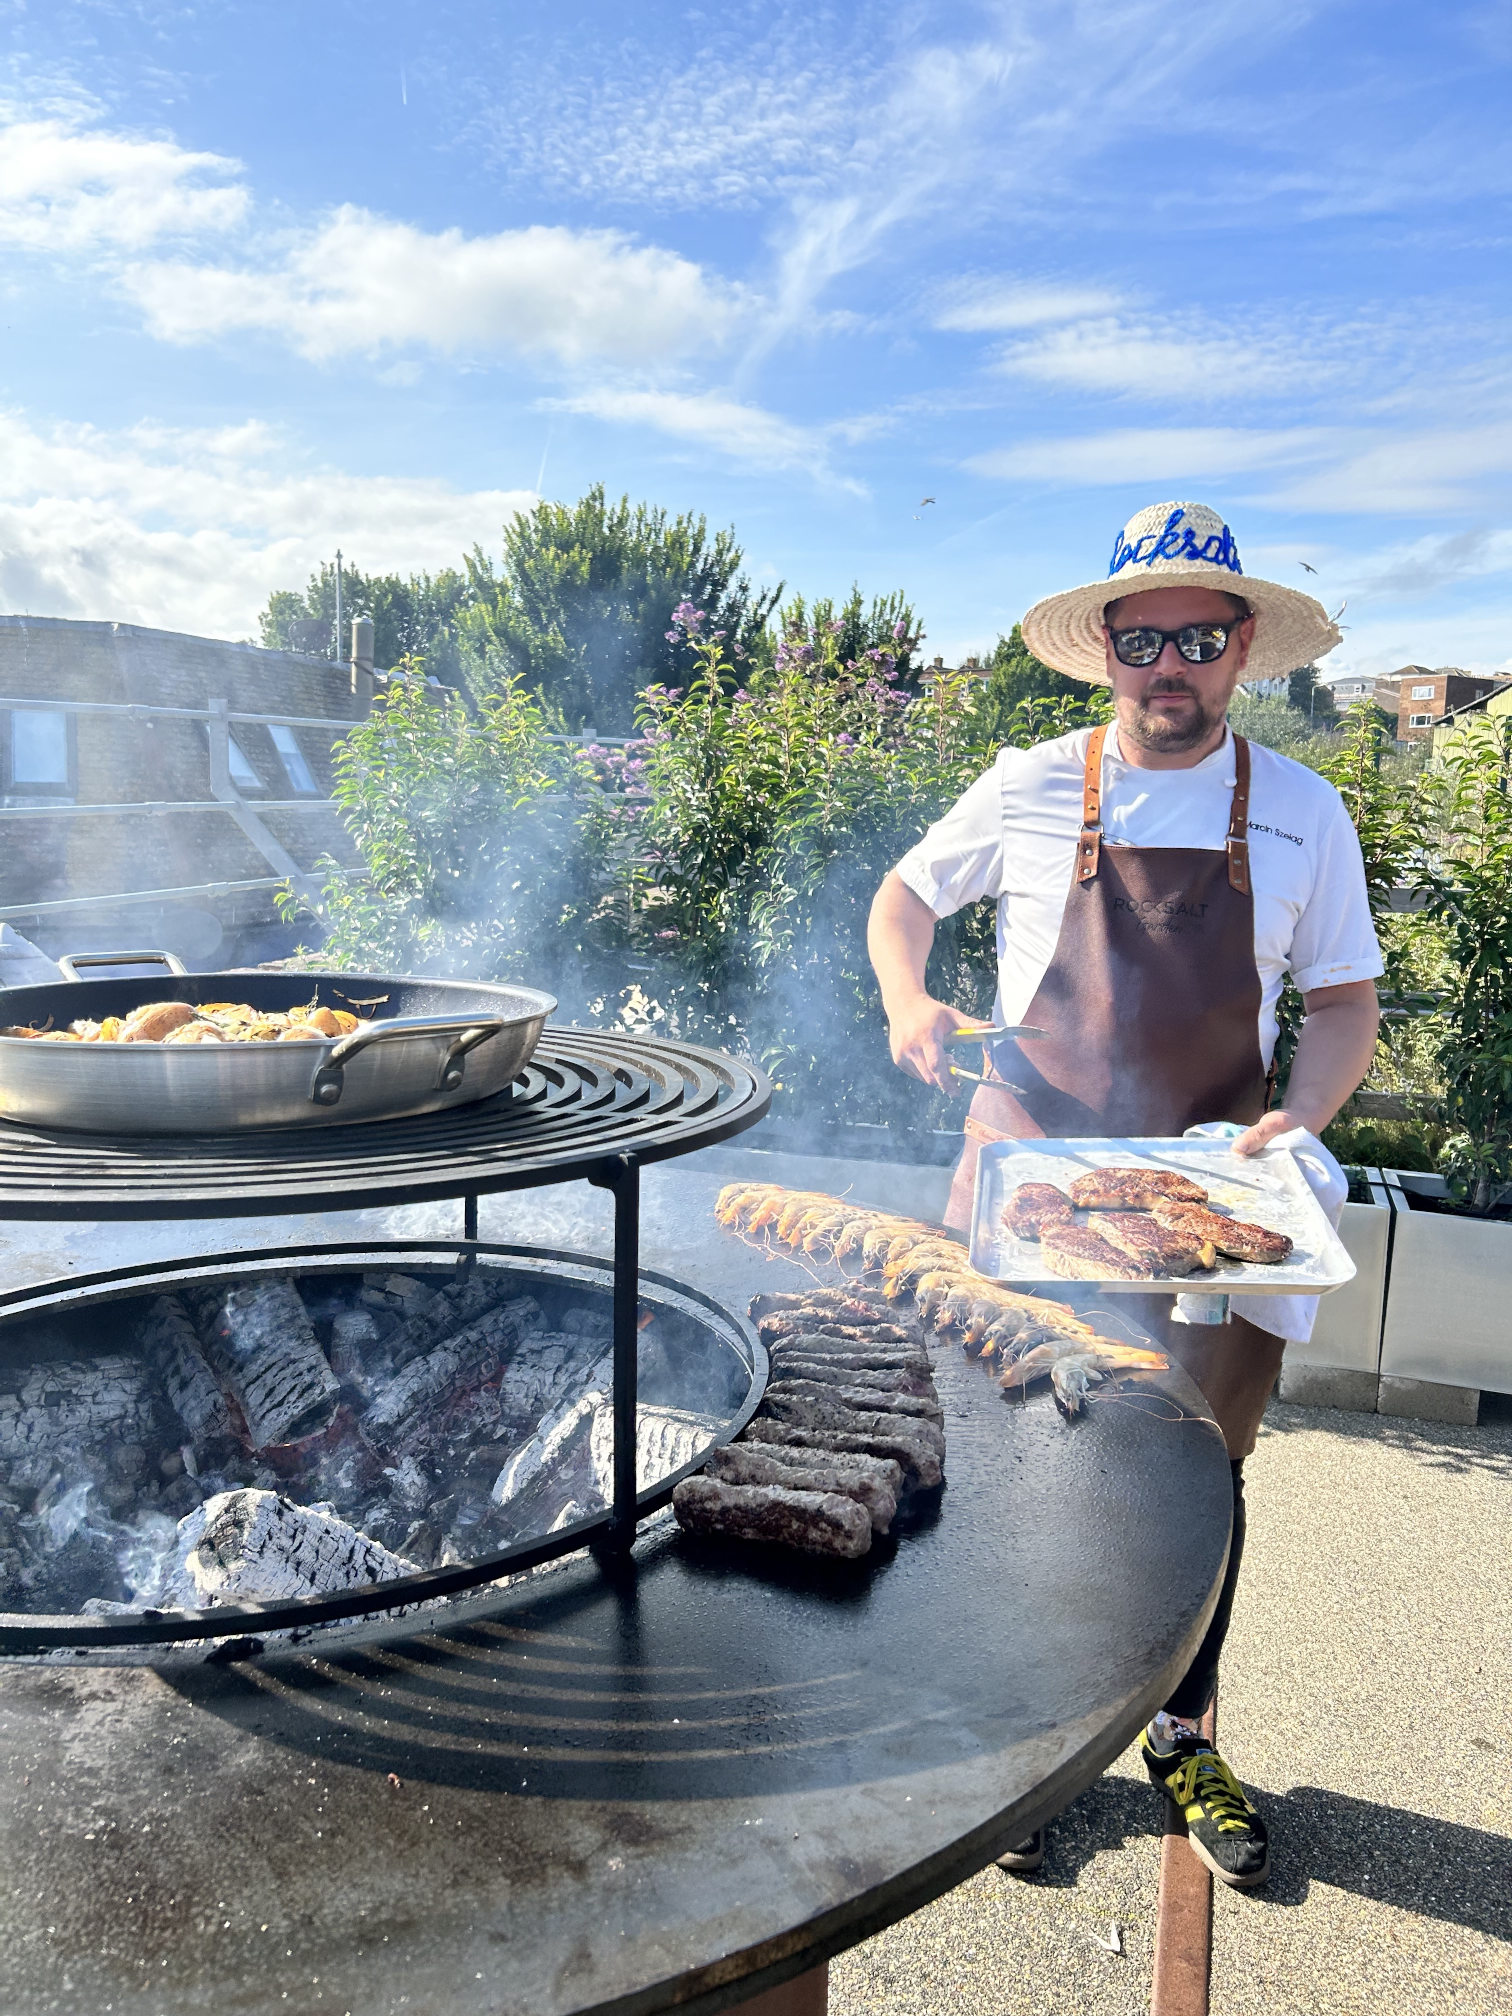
x=581, y=607
x=1306, y=693
x=1016, y=677
x=853, y=637
x=414, y=616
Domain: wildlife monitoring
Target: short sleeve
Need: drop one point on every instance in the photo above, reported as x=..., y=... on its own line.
x=1335, y=941
x=960, y=858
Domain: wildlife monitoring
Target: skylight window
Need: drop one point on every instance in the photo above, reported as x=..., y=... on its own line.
x=243, y=776
x=300, y=775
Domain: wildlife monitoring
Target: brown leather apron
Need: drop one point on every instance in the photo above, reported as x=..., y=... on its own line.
x=1151, y=1008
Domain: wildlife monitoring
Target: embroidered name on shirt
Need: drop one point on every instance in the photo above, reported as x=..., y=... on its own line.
x=1276, y=832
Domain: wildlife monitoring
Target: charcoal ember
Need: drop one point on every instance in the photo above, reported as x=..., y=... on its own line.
x=570, y=1513
x=54, y=1412
x=63, y=1579
x=346, y=1474
x=592, y=1321
x=181, y=1496
x=170, y=1344
x=408, y=1485
x=543, y=1369
x=354, y=1345
x=405, y=1416
x=870, y=1481
x=922, y=1461
x=789, y=1398
x=256, y=1546
x=666, y=1438
x=840, y=1372
x=259, y=1337
x=813, y=1522
x=453, y=1307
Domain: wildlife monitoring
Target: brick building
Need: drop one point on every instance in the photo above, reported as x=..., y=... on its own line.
x=1424, y=697
x=184, y=776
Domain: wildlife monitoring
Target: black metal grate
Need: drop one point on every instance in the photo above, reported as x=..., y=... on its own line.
x=585, y=1098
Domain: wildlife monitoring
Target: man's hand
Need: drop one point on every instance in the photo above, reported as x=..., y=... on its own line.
x=1265, y=1130
x=917, y=1032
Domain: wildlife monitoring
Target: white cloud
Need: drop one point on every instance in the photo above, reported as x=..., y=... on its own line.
x=1439, y=470
x=1152, y=454
x=190, y=529
x=1001, y=305
x=66, y=186
x=1179, y=362
x=711, y=419
x=363, y=283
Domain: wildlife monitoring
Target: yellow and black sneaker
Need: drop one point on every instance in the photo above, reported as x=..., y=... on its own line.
x=1223, y=1827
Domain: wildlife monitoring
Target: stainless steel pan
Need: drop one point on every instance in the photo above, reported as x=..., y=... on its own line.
x=428, y=1044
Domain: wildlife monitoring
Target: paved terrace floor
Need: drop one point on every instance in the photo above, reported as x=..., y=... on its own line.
x=1365, y=1700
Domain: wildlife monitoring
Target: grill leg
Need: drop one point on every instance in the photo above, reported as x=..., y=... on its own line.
x=622, y=1177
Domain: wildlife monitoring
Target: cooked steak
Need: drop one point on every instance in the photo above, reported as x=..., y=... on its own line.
x=867, y=1479
x=842, y=1372
x=815, y=1522
x=912, y=1444
x=1165, y=1249
x=1033, y=1206
x=1077, y=1253
x=1233, y=1236
x=803, y=1323
x=1134, y=1189
x=860, y=1399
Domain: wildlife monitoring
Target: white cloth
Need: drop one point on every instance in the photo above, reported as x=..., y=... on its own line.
x=1288, y=1316
x=1012, y=837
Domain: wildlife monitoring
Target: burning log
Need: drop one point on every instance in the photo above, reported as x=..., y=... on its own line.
x=59, y=1411
x=403, y=1418
x=258, y=1547
x=917, y=1448
x=814, y=1522
x=547, y=1448
x=666, y=1438
x=260, y=1339
x=867, y=1479
x=171, y=1346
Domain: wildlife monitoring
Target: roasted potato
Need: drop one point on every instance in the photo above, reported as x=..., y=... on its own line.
x=150, y=1024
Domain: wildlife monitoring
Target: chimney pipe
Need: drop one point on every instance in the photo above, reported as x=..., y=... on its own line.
x=362, y=655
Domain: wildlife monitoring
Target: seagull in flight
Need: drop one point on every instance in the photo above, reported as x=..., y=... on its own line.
x=1310, y=569
x=925, y=500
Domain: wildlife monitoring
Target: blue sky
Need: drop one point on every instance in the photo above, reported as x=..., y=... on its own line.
x=281, y=277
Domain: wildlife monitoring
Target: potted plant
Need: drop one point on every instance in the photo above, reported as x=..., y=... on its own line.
x=1446, y=1325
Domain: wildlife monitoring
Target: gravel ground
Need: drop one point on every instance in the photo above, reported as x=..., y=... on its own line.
x=1365, y=1702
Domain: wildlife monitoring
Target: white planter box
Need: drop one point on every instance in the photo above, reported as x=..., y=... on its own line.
x=1448, y=1296
x=1340, y=1364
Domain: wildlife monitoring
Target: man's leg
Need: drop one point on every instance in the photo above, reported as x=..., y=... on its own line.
x=1235, y=1365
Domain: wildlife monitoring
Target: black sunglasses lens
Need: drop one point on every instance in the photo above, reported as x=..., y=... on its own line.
x=1138, y=647
x=1201, y=643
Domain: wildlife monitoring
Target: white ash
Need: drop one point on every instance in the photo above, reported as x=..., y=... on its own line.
x=666, y=1438
x=354, y=1340
x=544, y=1452
x=55, y=1413
x=409, y=1486
x=260, y=1338
x=402, y=1416
x=170, y=1344
x=257, y=1546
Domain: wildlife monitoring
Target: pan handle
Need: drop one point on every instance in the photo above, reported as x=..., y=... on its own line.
x=68, y=965
x=469, y=1032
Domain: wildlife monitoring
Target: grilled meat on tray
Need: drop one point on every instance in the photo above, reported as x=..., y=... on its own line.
x=1034, y=1205
x=1077, y=1253
x=1233, y=1236
x=1168, y=1251
x=1134, y=1189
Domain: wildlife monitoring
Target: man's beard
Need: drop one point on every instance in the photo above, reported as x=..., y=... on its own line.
x=1167, y=735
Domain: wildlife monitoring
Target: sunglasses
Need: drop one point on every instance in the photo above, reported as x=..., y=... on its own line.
x=1198, y=643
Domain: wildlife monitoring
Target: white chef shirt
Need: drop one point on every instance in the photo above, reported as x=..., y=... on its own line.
x=1012, y=836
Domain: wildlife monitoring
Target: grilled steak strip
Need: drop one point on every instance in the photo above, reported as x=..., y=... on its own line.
x=1134, y=1189
x=1078, y=1253
x=922, y=1462
x=871, y=1483
x=800, y=1323
x=1034, y=1205
x=1140, y=1238
x=860, y=1400
x=849, y=1305
x=850, y=1350
x=1233, y=1236
x=842, y=1372
x=814, y=1522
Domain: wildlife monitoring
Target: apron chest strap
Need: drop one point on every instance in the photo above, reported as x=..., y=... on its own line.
x=1089, y=840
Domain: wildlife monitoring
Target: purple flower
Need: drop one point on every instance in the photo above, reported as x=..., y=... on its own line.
x=671, y=636
x=846, y=741
x=718, y=634
x=900, y=630
x=688, y=614
x=666, y=934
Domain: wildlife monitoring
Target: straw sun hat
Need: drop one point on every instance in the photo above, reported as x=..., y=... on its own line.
x=1178, y=546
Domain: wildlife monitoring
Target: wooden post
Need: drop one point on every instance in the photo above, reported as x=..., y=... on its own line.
x=1183, y=1917
x=808, y=1995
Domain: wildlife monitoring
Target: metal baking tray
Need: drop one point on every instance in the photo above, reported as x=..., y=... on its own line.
x=1268, y=1189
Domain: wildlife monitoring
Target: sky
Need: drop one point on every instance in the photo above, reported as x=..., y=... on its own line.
x=295, y=275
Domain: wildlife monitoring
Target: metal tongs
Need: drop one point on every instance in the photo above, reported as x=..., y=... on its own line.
x=988, y=1035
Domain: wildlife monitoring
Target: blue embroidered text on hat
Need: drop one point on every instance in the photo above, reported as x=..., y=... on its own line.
x=1176, y=540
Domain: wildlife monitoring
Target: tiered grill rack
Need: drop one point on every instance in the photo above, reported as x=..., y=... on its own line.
x=589, y=1106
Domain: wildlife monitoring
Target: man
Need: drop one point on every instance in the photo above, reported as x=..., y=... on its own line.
x=1155, y=882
